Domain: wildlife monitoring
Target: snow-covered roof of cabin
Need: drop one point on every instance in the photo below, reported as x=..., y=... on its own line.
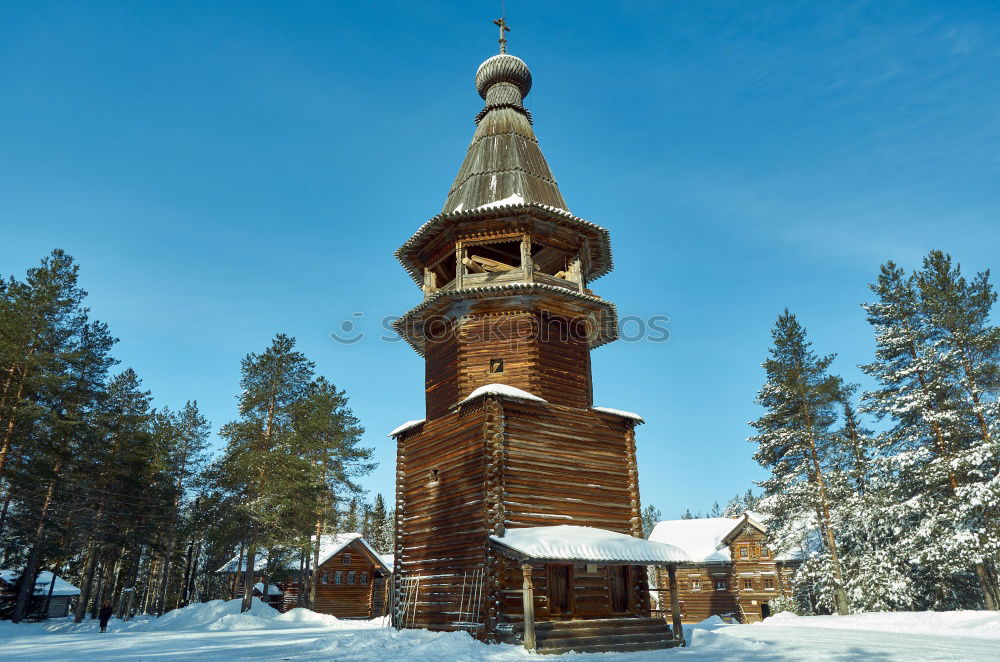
x=704, y=539
x=565, y=542
x=501, y=389
x=405, y=426
x=329, y=546
x=620, y=412
x=61, y=588
x=271, y=589
x=388, y=560
x=701, y=538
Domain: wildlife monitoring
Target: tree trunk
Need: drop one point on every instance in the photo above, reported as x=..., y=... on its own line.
x=839, y=593
x=88, y=577
x=182, y=594
x=248, y=577
x=314, y=582
x=237, y=572
x=9, y=432
x=52, y=587
x=31, y=567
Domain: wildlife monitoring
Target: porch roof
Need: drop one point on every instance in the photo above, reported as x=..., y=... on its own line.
x=584, y=544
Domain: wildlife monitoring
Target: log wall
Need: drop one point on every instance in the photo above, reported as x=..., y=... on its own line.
x=697, y=604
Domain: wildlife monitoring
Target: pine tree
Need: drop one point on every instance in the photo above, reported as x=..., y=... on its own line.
x=957, y=313
x=380, y=535
x=799, y=398
x=934, y=454
x=651, y=515
x=256, y=464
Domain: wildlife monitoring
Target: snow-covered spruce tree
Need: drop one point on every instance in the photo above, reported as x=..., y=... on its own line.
x=957, y=313
x=877, y=579
x=800, y=399
x=926, y=453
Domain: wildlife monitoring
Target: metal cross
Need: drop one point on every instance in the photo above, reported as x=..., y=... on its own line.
x=502, y=22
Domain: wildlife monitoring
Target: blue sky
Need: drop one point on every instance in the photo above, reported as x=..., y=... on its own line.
x=227, y=170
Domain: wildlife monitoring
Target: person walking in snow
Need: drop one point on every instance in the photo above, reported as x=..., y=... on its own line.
x=105, y=615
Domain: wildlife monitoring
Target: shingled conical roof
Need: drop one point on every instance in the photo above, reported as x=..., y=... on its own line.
x=504, y=162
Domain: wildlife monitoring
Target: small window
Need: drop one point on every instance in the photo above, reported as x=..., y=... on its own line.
x=695, y=584
x=434, y=475
x=765, y=553
x=323, y=578
x=721, y=585
x=496, y=366
x=769, y=583
x=364, y=577
x=744, y=552
x=346, y=559
x=748, y=584
x=352, y=577
x=338, y=577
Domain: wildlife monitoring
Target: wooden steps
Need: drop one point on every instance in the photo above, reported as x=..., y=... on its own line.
x=605, y=635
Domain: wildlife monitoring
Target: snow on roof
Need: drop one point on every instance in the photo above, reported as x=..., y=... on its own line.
x=61, y=588
x=405, y=426
x=514, y=199
x=620, y=412
x=704, y=538
x=329, y=546
x=271, y=589
x=584, y=543
x=701, y=538
x=388, y=560
x=501, y=389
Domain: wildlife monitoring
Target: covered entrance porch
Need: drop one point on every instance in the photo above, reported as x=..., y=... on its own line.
x=583, y=589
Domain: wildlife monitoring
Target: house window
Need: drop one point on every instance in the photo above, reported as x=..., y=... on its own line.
x=695, y=584
x=721, y=585
x=433, y=475
x=496, y=366
x=364, y=577
x=748, y=584
x=768, y=583
x=346, y=559
x=338, y=577
x=352, y=577
x=323, y=578
x=744, y=552
x=765, y=553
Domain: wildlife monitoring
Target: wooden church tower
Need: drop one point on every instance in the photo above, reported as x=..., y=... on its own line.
x=511, y=439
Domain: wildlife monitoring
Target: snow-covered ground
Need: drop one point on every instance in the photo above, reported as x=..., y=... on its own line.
x=217, y=632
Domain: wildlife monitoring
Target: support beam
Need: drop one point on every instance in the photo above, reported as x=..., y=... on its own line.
x=675, y=604
x=528, y=596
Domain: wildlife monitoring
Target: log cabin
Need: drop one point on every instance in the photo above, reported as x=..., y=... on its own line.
x=517, y=500
x=732, y=572
x=52, y=597
x=353, y=578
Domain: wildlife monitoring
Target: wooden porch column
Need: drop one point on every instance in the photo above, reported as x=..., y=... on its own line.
x=675, y=604
x=528, y=597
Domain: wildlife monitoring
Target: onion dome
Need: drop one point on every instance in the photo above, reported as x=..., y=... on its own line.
x=504, y=162
x=507, y=73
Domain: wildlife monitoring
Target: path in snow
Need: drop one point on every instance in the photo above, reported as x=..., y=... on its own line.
x=216, y=632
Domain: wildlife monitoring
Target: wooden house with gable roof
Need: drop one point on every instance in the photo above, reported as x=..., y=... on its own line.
x=353, y=578
x=517, y=500
x=731, y=572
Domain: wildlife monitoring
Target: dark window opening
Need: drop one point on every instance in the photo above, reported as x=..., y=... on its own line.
x=500, y=256
x=551, y=261
x=352, y=577
x=346, y=559
x=364, y=577
x=444, y=270
x=434, y=475
x=338, y=577
x=496, y=366
x=559, y=582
